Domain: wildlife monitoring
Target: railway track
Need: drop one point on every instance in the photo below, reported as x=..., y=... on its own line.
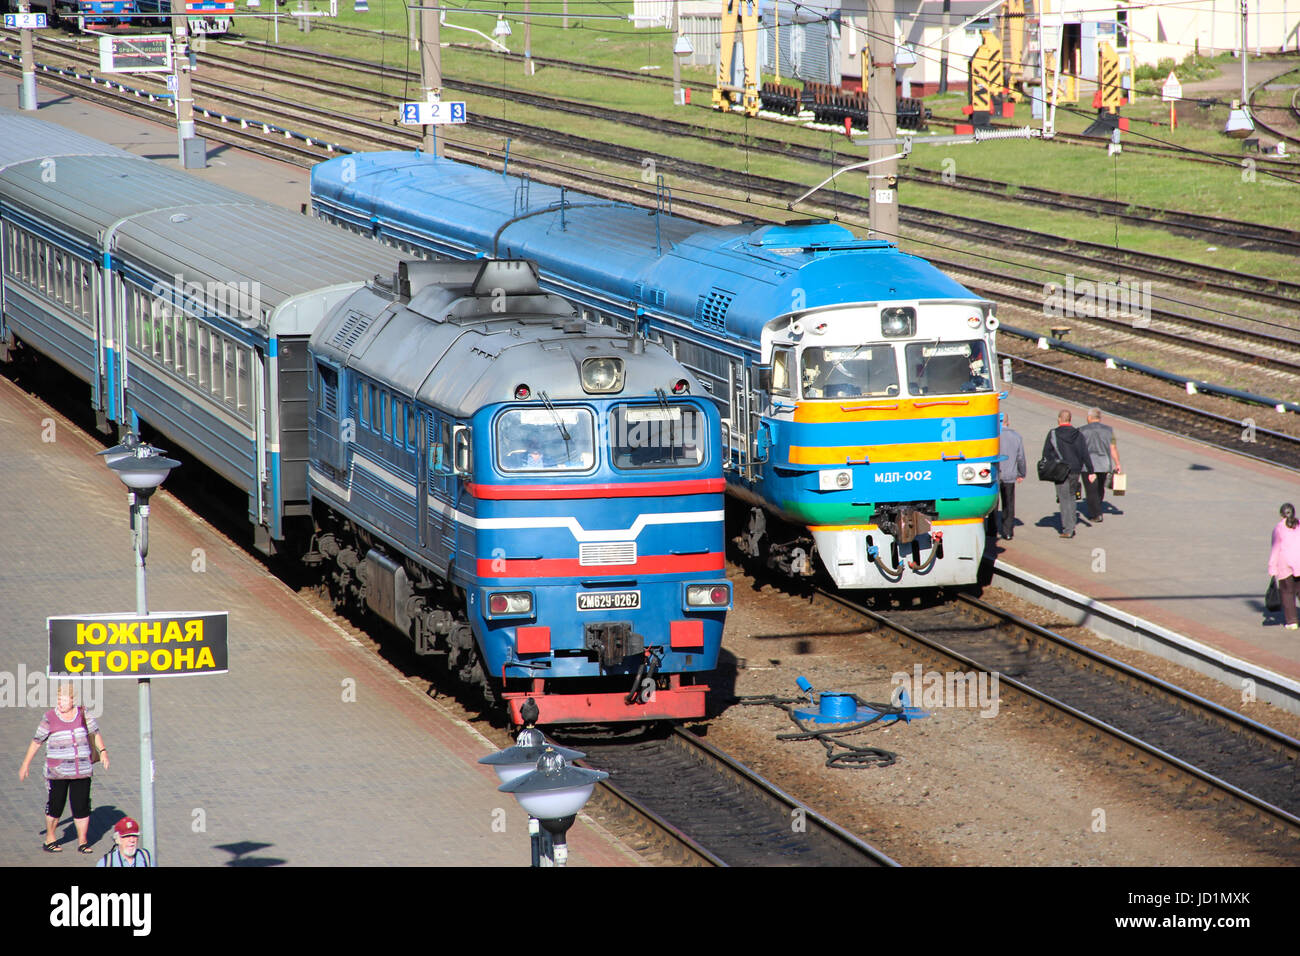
x=1215, y=755
x=1274, y=292
x=720, y=810
x=1225, y=231
x=372, y=134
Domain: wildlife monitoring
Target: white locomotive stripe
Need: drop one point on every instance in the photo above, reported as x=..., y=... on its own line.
x=571, y=523
x=516, y=524
x=343, y=494
x=382, y=473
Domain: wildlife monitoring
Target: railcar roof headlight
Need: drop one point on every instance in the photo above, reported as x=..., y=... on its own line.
x=602, y=375
x=522, y=391
x=898, y=322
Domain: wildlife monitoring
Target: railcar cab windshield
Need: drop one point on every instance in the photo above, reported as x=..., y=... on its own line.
x=871, y=370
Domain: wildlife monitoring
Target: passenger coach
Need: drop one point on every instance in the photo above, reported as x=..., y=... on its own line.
x=182, y=305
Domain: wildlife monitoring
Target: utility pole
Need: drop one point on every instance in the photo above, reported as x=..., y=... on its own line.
x=184, y=95
x=882, y=107
x=431, y=68
x=1244, y=44
x=528, y=39
x=943, y=50
x=676, y=59
x=27, y=92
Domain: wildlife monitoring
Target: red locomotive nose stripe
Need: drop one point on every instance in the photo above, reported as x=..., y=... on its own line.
x=572, y=568
x=639, y=489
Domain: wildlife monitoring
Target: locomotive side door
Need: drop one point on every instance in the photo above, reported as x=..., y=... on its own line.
x=422, y=477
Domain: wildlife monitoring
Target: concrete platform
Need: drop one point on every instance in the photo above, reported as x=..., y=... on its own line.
x=1186, y=548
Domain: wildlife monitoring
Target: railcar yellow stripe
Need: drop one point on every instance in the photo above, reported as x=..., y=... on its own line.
x=871, y=527
x=886, y=454
x=869, y=409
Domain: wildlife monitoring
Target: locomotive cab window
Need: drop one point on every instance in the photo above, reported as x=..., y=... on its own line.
x=860, y=371
x=656, y=436
x=545, y=439
x=943, y=368
x=781, y=371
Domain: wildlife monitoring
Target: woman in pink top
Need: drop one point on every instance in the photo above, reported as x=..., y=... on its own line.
x=1284, y=563
x=66, y=731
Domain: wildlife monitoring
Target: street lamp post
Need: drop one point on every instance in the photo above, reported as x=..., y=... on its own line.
x=521, y=759
x=142, y=468
x=554, y=793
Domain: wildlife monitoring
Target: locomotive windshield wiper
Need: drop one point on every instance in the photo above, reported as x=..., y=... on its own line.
x=550, y=407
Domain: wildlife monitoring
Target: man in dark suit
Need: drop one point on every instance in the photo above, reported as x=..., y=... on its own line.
x=1066, y=443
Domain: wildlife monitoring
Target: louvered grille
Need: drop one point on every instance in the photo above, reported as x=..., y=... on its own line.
x=607, y=552
x=711, y=310
x=350, y=331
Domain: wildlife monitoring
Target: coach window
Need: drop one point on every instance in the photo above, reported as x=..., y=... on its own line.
x=850, y=372
x=545, y=439
x=388, y=416
x=654, y=436
x=192, y=350
x=935, y=368
x=232, y=374
x=363, y=404
x=410, y=427
x=376, y=416
x=245, y=378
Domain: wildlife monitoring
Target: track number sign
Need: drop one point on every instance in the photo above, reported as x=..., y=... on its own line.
x=433, y=114
x=25, y=21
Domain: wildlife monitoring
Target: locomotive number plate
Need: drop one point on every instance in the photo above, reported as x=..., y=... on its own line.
x=609, y=600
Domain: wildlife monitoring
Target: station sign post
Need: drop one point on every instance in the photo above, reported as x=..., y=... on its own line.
x=141, y=646
x=1171, y=93
x=138, y=645
x=431, y=115
x=135, y=54
x=25, y=22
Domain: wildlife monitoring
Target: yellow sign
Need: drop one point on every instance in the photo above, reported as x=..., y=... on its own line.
x=133, y=645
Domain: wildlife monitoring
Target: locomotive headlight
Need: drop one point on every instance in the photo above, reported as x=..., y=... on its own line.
x=602, y=375
x=974, y=474
x=510, y=604
x=898, y=322
x=708, y=595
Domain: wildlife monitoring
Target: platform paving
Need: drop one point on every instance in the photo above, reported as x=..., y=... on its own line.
x=1187, y=547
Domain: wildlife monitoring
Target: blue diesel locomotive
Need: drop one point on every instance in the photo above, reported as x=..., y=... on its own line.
x=553, y=477
x=857, y=384
x=536, y=497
